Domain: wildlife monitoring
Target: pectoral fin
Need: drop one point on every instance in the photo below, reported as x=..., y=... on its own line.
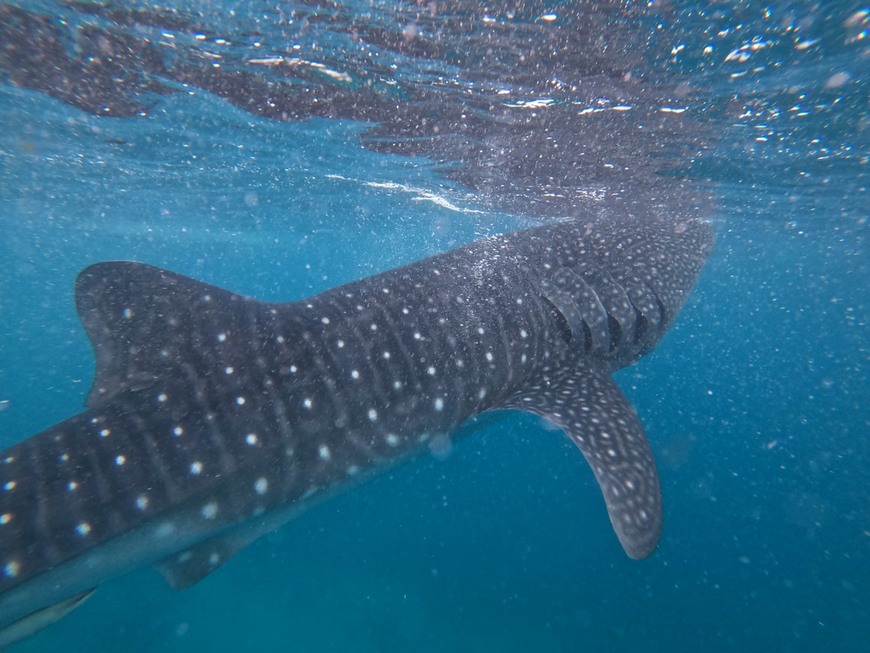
x=593, y=412
x=36, y=621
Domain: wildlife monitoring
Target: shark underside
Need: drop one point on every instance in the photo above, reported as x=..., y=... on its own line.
x=214, y=418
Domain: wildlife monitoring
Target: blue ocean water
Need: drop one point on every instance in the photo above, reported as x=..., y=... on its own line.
x=757, y=402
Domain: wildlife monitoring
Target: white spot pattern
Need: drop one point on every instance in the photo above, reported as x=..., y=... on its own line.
x=11, y=569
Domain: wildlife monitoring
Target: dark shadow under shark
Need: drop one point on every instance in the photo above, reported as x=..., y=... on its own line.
x=214, y=418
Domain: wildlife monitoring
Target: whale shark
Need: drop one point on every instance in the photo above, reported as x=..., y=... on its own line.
x=214, y=418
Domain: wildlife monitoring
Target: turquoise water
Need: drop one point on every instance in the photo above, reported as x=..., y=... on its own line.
x=756, y=402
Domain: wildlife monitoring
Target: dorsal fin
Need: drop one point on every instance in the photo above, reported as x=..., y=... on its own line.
x=133, y=313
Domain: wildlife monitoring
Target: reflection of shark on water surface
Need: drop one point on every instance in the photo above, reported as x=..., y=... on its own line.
x=214, y=418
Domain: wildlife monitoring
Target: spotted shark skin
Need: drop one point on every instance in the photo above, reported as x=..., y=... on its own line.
x=214, y=417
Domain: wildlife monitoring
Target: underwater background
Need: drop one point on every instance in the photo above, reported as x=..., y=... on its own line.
x=278, y=149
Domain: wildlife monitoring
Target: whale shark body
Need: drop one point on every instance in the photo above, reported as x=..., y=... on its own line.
x=214, y=418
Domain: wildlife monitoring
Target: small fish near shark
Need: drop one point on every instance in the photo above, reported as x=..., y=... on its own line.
x=214, y=418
